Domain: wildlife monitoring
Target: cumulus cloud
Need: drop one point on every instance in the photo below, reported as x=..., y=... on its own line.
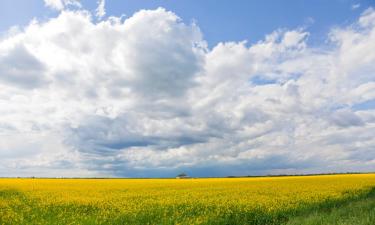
x=20, y=68
x=61, y=4
x=145, y=96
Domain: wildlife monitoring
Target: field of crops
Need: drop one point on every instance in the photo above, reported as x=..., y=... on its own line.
x=268, y=200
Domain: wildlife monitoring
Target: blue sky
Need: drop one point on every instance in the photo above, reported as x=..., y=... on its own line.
x=172, y=87
x=219, y=20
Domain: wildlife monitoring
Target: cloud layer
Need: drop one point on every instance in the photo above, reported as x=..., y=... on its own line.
x=146, y=97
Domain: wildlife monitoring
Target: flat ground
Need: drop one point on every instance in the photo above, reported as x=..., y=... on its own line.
x=333, y=199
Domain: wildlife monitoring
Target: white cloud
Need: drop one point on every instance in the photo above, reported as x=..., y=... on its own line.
x=100, y=11
x=61, y=4
x=146, y=97
x=355, y=6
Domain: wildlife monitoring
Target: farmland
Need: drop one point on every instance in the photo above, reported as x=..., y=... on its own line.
x=263, y=200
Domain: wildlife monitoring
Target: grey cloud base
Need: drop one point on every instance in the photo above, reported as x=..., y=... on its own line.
x=145, y=97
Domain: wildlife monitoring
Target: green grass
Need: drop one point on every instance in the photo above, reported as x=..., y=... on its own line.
x=359, y=211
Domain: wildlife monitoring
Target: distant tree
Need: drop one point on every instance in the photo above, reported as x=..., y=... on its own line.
x=182, y=175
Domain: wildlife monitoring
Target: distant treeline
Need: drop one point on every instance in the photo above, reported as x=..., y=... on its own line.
x=269, y=175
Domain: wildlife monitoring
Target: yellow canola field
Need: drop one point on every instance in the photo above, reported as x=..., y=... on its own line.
x=167, y=201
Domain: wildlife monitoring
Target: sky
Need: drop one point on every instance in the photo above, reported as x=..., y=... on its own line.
x=155, y=88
